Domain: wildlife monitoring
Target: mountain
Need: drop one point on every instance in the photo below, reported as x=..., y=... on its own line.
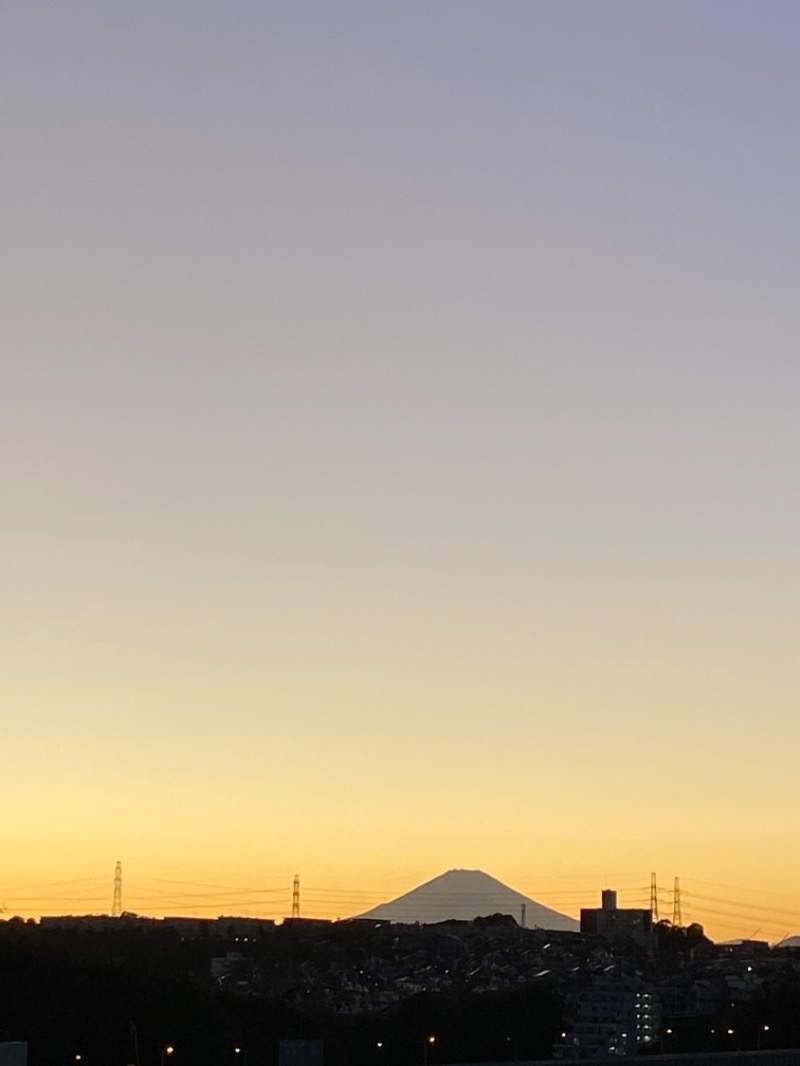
x=468, y=894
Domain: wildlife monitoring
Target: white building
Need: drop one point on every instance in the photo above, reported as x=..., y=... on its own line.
x=616, y=1016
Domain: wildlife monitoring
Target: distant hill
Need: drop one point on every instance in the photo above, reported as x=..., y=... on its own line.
x=466, y=895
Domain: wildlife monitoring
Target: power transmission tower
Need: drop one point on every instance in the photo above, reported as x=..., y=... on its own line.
x=653, y=897
x=116, y=903
x=296, y=896
x=677, y=918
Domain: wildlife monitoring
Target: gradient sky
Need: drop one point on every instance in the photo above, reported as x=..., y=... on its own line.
x=400, y=424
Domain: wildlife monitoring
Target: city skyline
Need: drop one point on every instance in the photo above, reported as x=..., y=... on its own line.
x=724, y=911
x=400, y=421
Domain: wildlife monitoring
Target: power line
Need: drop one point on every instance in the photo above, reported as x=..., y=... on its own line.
x=145, y=891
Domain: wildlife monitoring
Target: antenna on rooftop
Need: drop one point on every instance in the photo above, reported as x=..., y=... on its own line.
x=116, y=903
x=296, y=896
x=677, y=919
x=653, y=897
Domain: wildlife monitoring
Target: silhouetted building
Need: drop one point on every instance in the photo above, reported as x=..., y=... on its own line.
x=97, y=923
x=615, y=1016
x=230, y=928
x=13, y=1053
x=618, y=923
x=300, y=1053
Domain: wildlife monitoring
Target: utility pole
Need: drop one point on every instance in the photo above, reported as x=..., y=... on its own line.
x=134, y=1042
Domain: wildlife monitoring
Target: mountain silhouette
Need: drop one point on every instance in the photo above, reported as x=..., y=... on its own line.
x=465, y=895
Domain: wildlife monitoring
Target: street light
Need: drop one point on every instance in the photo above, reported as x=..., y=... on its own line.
x=428, y=1044
x=166, y=1053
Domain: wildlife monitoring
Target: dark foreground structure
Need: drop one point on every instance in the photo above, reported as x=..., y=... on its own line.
x=234, y=992
x=784, y=1057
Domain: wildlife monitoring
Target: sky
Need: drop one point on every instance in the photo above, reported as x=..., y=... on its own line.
x=399, y=428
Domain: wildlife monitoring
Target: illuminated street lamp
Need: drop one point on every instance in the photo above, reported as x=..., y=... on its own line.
x=429, y=1042
x=167, y=1053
